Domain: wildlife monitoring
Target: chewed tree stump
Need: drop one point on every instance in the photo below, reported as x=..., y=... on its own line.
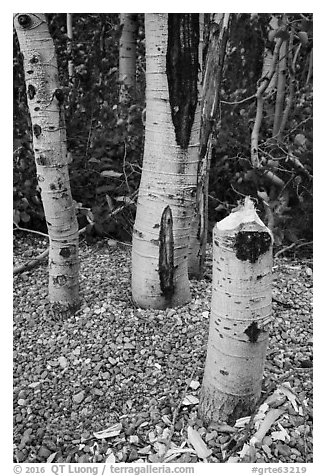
x=240, y=315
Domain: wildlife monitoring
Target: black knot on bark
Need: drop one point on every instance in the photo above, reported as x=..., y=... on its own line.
x=24, y=20
x=59, y=96
x=249, y=245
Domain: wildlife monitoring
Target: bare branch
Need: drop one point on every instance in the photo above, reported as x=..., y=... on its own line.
x=30, y=231
x=292, y=245
x=263, y=83
x=241, y=101
x=35, y=261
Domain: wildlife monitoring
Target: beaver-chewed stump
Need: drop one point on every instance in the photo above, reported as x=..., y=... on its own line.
x=240, y=315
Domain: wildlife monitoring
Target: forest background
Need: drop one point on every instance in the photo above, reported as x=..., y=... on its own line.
x=106, y=137
x=226, y=205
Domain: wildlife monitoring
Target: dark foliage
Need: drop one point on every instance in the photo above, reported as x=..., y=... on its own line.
x=105, y=138
x=232, y=175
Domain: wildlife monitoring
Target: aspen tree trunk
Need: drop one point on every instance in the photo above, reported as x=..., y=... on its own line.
x=261, y=90
x=281, y=84
x=240, y=314
x=267, y=64
x=269, y=57
x=199, y=226
x=127, y=55
x=168, y=183
x=69, y=48
x=292, y=83
x=197, y=246
x=210, y=103
x=49, y=140
x=309, y=75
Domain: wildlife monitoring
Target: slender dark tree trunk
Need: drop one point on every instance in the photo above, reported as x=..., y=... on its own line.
x=210, y=105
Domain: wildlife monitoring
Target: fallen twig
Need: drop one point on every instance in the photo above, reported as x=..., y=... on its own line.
x=30, y=264
x=30, y=231
x=293, y=245
x=34, y=262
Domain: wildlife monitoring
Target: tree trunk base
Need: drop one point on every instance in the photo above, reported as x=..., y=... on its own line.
x=216, y=406
x=60, y=311
x=161, y=303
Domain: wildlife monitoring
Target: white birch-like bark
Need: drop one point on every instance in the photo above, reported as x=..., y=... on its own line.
x=267, y=65
x=127, y=55
x=240, y=315
x=167, y=188
x=261, y=89
x=69, y=48
x=292, y=83
x=281, y=85
x=49, y=141
x=269, y=57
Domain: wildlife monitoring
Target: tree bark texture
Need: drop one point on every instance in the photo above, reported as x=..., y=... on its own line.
x=45, y=99
x=127, y=55
x=213, y=77
x=168, y=184
x=281, y=85
x=240, y=315
x=292, y=83
x=269, y=55
x=210, y=99
x=199, y=225
x=267, y=65
x=196, y=245
x=69, y=48
x=261, y=89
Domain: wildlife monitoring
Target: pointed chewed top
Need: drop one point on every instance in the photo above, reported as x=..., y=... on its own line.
x=244, y=213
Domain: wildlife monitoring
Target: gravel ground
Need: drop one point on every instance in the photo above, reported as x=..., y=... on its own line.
x=128, y=371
